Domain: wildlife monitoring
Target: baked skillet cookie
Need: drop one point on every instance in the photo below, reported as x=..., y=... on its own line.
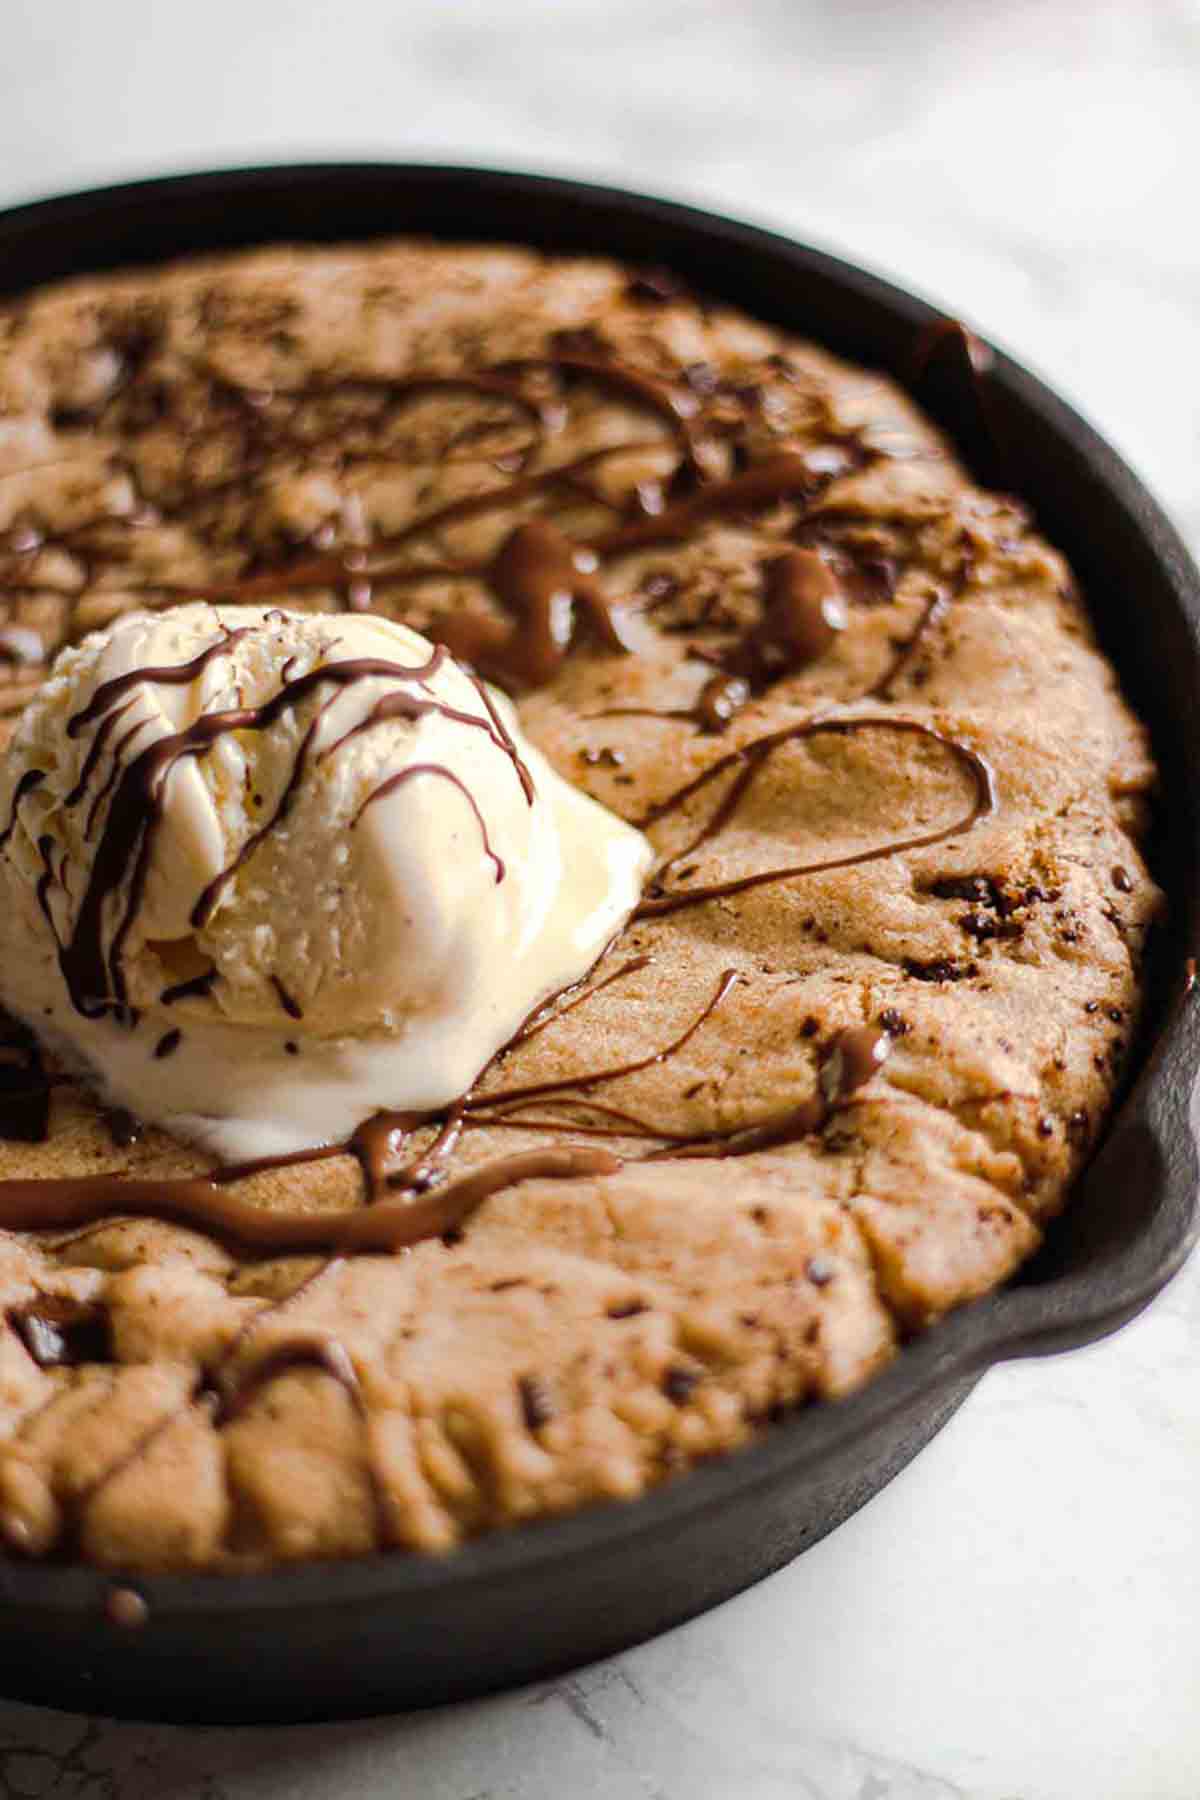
x=831, y=1079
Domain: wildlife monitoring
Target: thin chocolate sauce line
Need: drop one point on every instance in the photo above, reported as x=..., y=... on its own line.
x=377, y=716
x=935, y=609
x=538, y=1089
x=201, y=1392
x=317, y=1349
x=394, y=706
x=536, y=1025
x=682, y=713
x=144, y=1442
x=194, y=989
x=429, y=1167
x=288, y=444
x=676, y=407
x=852, y=1058
x=491, y=383
x=96, y=748
x=784, y=476
x=45, y=882
x=210, y=895
x=170, y=675
x=403, y=776
x=626, y=1124
x=227, y=1173
x=752, y=757
x=41, y=1204
x=331, y=570
x=105, y=790
x=507, y=740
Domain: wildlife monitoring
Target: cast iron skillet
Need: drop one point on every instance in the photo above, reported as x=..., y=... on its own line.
x=389, y=1631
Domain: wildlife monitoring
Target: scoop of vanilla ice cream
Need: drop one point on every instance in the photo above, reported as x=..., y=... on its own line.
x=265, y=873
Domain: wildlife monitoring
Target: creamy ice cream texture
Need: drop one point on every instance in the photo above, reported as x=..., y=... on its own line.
x=266, y=873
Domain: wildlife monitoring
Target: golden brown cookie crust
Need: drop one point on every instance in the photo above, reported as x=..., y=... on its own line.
x=172, y=434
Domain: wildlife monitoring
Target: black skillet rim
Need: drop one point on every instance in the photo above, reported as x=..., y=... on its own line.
x=1070, y=1309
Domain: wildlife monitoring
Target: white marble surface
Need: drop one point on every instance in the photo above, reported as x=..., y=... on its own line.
x=1018, y=1616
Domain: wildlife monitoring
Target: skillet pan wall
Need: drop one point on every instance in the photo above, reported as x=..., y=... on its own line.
x=355, y=1638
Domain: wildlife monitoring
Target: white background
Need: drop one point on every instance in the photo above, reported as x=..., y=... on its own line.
x=1018, y=1616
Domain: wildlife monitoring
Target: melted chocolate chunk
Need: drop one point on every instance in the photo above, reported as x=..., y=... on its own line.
x=536, y=1400
x=58, y=1334
x=981, y=890
x=939, y=969
x=805, y=610
x=984, y=927
x=547, y=586
x=721, y=698
x=680, y=1383
x=626, y=1309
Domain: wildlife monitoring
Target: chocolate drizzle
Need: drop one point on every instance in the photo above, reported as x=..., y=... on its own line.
x=849, y=1062
x=549, y=590
x=750, y=759
x=539, y=576
x=197, y=988
x=784, y=476
x=804, y=611
x=93, y=969
x=547, y=585
x=31, y=779
x=44, y=1205
x=539, y=1090
x=439, y=770
x=101, y=704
